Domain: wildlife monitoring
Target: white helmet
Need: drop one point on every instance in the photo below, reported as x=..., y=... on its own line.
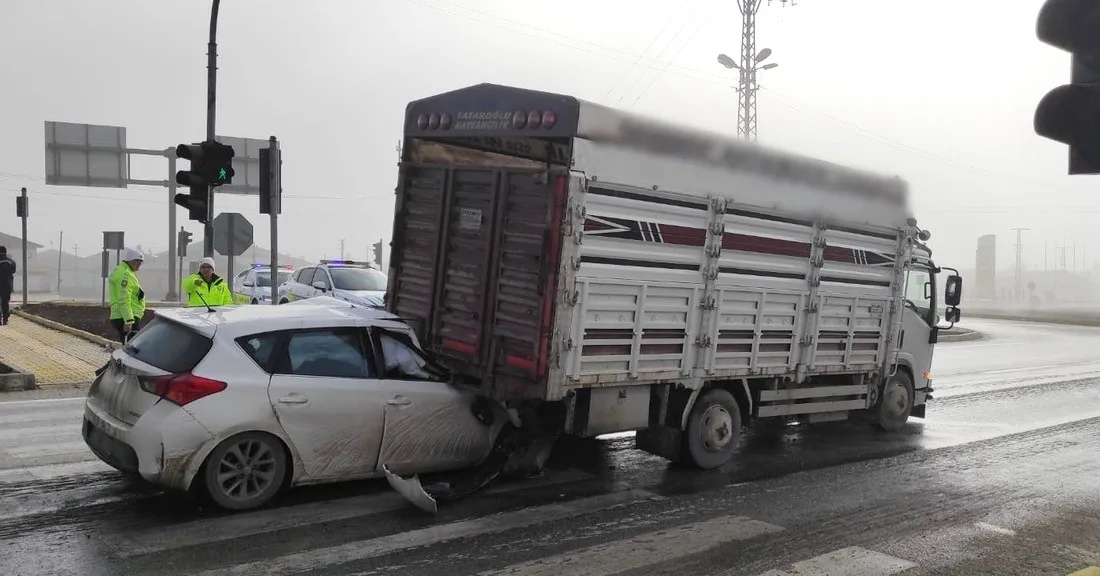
x=131, y=254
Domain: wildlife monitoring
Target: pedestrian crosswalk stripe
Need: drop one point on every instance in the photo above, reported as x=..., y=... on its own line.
x=365, y=549
x=1090, y=571
x=644, y=550
x=851, y=561
x=51, y=449
x=211, y=530
x=50, y=471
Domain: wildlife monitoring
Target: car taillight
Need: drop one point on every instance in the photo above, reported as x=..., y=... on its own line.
x=182, y=389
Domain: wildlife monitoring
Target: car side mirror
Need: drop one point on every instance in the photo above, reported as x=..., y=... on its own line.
x=320, y=286
x=952, y=315
x=952, y=292
x=248, y=283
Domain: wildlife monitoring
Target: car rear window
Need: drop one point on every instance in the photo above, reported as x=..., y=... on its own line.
x=169, y=346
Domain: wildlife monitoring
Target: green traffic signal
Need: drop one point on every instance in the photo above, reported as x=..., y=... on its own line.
x=222, y=175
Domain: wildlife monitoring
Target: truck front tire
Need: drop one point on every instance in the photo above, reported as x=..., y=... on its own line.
x=895, y=403
x=713, y=429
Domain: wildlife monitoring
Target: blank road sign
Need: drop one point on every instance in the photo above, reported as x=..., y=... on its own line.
x=232, y=234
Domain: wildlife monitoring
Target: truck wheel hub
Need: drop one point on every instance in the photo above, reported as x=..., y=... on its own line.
x=717, y=428
x=895, y=400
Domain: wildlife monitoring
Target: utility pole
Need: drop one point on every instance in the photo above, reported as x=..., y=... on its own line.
x=60, y=251
x=341, y=248
x=1019, y=260
x=211, y=98
x=749, y=66
x=22, y=206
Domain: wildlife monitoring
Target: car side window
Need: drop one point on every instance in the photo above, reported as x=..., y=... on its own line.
x=401, y=361
x=322, y=276
x=330, y=353
x=261, y=348
x=307, y=276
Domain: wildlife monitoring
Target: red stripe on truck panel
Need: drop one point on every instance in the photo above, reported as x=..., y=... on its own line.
x=644, y=231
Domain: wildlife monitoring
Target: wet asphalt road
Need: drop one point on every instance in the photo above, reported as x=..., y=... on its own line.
x=1002, y=478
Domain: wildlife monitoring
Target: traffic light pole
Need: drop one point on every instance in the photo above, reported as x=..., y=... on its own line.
x=211, y=98
x=173, y=280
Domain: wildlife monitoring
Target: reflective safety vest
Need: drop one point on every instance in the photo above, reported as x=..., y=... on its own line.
x=127, y=297
x=202, y=293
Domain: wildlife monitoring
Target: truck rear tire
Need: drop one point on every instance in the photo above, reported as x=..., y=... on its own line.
x=895, y=403
x=713, y=429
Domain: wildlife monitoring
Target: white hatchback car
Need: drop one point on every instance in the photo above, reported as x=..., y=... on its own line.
x=243, y=402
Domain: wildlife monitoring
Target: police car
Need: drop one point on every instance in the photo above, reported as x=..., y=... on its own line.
x=253, y=285
x=355, y=282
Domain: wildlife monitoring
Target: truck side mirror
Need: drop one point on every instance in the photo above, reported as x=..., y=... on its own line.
x=952, y=315
x=952, y=293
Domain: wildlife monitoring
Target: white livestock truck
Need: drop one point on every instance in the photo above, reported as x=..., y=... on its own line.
x=603, y=272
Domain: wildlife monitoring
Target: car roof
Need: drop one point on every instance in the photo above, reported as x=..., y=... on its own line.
x=318, y=312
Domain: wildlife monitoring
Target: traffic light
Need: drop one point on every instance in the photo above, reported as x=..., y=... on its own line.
x=183, y=240
x=1070, y=113
x=271, y=168
x=211, y=166
x=378, y=253
x=219, y=163
x=196, y=200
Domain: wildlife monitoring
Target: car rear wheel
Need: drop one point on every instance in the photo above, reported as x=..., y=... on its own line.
x=254, y=302
x=245, y=471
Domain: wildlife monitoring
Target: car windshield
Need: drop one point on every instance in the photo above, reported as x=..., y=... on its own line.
x=358, y=279
x=264, y=278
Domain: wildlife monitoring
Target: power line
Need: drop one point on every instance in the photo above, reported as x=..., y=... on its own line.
x=648, y=46
x=702, y=23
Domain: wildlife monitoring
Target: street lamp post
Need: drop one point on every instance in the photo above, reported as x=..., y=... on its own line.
x=747, y=87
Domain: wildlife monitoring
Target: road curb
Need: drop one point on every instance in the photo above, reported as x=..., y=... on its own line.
x=110, y=344
x=1063, y=318
x=964, y=336
x=18, y=380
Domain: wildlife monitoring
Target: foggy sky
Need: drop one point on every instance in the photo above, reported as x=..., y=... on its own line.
x=941, y=93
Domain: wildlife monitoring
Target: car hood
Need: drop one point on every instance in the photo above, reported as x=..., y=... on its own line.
x=373, y=298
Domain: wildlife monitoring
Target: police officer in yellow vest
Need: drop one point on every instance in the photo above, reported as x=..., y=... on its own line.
x=127, y=297
x=207, y=288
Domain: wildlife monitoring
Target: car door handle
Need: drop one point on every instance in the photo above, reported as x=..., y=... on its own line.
x=293, y=399
x=399, y=401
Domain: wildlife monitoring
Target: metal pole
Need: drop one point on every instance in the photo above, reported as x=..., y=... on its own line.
x=180, y=297
x=230, y=234
x=746, y=106
x=60, y=251
x=27, y=207
x=173, y=280
x=105, y=258
x=211, y=92
x=276, y=199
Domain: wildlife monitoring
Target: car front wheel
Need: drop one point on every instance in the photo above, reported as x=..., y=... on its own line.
x=245, y=471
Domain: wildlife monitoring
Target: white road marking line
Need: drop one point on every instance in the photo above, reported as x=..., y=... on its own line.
x=42, y=416
x=54, y=508
x=24, y=403
x=32, y=432
x=90, y=466
x=851, y=561
x=644, y=550
x=51, y=449
x=353, y=551
x=996, y=529
x=250, y=524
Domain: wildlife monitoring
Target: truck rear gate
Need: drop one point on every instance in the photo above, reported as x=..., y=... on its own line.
x=475, y=265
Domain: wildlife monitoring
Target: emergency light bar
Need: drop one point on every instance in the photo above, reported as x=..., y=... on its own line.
x=351, y=262
x=284, y=266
